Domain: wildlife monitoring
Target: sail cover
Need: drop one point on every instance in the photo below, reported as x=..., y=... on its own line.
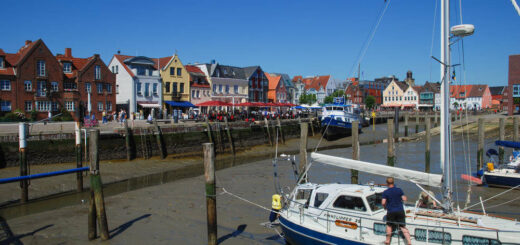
x=378, y=169
x=512, y=144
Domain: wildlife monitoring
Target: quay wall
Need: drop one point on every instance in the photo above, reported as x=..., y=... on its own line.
x=179, y=141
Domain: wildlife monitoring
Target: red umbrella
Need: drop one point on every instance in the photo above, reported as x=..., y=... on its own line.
x=259, y=104
x=245, y=104
x=214, y=103
x=290, y=104
x=270, y=104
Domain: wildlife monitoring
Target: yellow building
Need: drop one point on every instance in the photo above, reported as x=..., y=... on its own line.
x=175, y=83
x=393, y=94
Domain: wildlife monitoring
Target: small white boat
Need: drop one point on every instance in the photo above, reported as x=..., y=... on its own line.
x=505, y=175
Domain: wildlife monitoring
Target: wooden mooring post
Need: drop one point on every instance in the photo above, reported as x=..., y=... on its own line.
x=435, y=121
x=391, y=155
x=79, y=163
x=229, y=136
x=416, y=123
x=160, y=140
x=480, y=150
x=304, y=131
x=427, y=146
x=355, y=151
x=501, y=133
x=312, y=125
x=130, y=151
x=280, y=135
x=515, y=128
x=208, y=127
x=24, y=184
x=97, y=215
x=211, y=200
x=406, y=125
x=268, y=131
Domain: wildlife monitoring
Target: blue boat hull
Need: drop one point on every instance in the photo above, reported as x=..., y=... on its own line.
x=501, y=181
x=298, y=235
x=332, y=128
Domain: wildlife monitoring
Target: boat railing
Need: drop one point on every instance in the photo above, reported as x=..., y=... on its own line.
x=369, y=226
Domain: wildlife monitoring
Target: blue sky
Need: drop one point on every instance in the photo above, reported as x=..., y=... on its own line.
x=295, y=37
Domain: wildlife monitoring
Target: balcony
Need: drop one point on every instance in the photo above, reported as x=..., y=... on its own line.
x=72, y=94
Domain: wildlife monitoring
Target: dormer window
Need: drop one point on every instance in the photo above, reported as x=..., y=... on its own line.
x=2, y=63
x=67, y=67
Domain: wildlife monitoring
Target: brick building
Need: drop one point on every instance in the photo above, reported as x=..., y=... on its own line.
x=33, y=80
x=514, y=83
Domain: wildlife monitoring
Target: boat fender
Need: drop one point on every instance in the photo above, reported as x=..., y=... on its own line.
x=490, y=166
x=277, y=204
x=346, y=224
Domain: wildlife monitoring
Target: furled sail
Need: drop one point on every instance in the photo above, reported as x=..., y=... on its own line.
x=378, y=169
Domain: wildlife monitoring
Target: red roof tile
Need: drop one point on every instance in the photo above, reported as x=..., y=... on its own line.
x=193, y=69
x=273, y=81
x=162, y=62
x=121, y=59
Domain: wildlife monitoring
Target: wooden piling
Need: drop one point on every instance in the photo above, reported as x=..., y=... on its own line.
x=435, y=121
x=229, y=136
x=416, y=123
x=501, y=132
x=355, y=151
x=96, y=190
x=79, y=163
x=304, y=131
x=208, y=126
x=160, y=141
x=312, y=125
x=427, y=146
x=128, y=138
x=515, y=128
x=211, y=200
x=406, y=125
x=390, y=157
x=396, y=122
x=268, y=131
x=281, y=136
x=480, y=150
x=24, y=184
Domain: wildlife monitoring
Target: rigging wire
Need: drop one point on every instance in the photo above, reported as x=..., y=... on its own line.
x=364, y=48
x=433, y=36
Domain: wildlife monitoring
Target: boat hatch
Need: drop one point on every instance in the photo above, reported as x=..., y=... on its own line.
x=350, y=202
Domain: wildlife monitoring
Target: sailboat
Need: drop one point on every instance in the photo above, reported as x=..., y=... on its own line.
x=353, y=214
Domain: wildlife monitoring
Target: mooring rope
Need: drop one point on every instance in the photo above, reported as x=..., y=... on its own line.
x=499, y=194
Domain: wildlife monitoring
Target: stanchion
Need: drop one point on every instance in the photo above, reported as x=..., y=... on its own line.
x=211, y=200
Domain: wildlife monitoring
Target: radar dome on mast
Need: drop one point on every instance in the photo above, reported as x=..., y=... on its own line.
x=462, y=30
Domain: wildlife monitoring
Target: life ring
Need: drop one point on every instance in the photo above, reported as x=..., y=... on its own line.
x=346, y=224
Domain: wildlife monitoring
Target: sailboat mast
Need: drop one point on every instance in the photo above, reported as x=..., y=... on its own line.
x=445, y=110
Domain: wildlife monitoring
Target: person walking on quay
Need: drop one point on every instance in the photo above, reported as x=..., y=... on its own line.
x=393, y=199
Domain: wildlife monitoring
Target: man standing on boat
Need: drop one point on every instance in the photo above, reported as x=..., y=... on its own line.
x=393, y=199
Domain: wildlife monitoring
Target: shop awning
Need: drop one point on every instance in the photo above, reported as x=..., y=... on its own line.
x=214, y=103
x=149, y=105
x=180, y=103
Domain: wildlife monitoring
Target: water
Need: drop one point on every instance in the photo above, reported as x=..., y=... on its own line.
x=410, y=155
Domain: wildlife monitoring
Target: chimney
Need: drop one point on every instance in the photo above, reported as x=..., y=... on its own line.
x=27, y=42
x=68, y=52
x=119, y=52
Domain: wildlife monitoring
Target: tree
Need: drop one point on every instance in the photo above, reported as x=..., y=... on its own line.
x=370, y=102
x=307, y=98
x=330, y=99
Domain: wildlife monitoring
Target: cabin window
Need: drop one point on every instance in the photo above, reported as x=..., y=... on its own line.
x=329, y=108
x=320, y=197
x=433, y=236
x=349, y=202
x=374, y=201
x=470, y=240
x=380, y=229
x=305, y=195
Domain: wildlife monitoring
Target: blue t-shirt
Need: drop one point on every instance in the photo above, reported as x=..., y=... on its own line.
x=394, y=199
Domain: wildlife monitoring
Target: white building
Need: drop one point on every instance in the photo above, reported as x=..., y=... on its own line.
x=138, y=84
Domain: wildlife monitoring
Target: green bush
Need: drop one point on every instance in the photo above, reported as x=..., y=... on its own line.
x=65, y=116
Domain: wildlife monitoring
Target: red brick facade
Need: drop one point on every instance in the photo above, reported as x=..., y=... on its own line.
x=514, y=79
x=44, y=88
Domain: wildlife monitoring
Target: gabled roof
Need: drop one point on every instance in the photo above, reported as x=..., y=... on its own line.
x=273, y=81
x=418, y=89
x=225, y=71
x=286, y=79
x=478, y=90
x=297, y=78
x=431, y=87
x=402, y=85
x=78, y=64
x=163, y=62
x=121, y=58
x=249, y=70
x=13, y=60
x=497, y=90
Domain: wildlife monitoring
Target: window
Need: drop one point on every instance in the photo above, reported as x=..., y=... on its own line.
x=54, y=86
x=193, y=93
x=350, y=202
x=433, y=236
x=109, y=106
x=54, y=106
x=43, y=106
x=5, y=85
x=2, y=64
x=5, y=105
x=179, y=72
x=141, y=71
x=198, y=94
x=516, y=90
x=172, y=71
x=167, y=87
x=181, y=88
x=174, y=87
x=155, y=89
x=214, y=88
x=68, y=86
x=138, y=88
x=41, y=89
x=99, y=87
x=220, y=88
x=235, y=88
x=117, y=69
x=88, y=87
x=67, y=67
x=473, y=240
x=27, y=85
x=40, y=65
x=28, y=105
x=147, y=89
x=117, y=88
x=109, y=88
x=227, y=89
x=380, y=229
x=374, y=201
x=304, y=195
x=320, y=197
x=97, y=72
x=69, y=105
x=100, y=106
